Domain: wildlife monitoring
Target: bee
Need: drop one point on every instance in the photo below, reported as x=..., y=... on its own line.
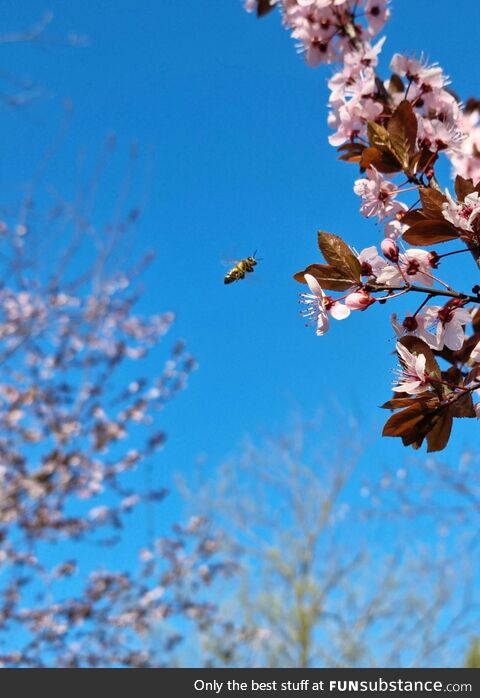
x=240, y=269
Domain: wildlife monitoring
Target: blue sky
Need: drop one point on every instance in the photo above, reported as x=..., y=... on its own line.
x=237, y=123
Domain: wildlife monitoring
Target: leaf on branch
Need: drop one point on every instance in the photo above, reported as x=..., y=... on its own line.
x=423, y=159
x=402, y=130
x=264, y=7
x=351, y=152
x=383, y=161
x=405, y=423
x=463, y=407
x=395, y=84
x=439, y=433
x=432, y=203
x=328, y=277
x=378, y=136
x=430, y=232
x=414, y=216
x=464, y=187
x=339, y=255
x=420, y=420
x=397, y=402
x=472, y=104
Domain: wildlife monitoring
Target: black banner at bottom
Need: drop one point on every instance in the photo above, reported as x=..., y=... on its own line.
x=230, y=683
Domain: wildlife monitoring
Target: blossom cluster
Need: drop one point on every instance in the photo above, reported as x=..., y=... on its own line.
x=396, y=130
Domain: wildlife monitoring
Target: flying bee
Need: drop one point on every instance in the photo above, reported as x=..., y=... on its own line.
x=244, y=266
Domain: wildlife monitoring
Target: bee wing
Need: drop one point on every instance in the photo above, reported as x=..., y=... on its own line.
x=226, y=262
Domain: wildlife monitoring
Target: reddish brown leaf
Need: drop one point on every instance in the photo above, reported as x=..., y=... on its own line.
x=430, y=232
x=432, y=202
x=423, y=160
x=439, y=434
x=463, y=407
x=339, y=255
x=414, y=216
x=397, y=402
x=329, y=278
x=378, y=136
x=351, y=152
x=472, y=104
x=263, y=7
x=395, y=84
x=403, y=423
x=463, y=187
x=402, y=129
x=383, y=161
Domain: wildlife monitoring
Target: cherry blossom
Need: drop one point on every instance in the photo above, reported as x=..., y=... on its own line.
x=378, y=195
x=319, y=306
x=413, y=378
x=449, y=321
x=396, y=131
x=414, y=266
x=371, y=262
x=463, y=214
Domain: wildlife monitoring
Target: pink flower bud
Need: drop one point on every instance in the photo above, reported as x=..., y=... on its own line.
x=390, y=249
x=359, y=300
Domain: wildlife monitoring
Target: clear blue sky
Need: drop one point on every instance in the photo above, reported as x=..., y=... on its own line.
x=238, y=125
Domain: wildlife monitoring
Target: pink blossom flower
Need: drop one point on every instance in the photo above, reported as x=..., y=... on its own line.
x=413, y=378
x=371, y=262
x=462, y=214
x=414, y=265
x=440, y=135
x=449, y=322
x=319, y=306
x=350, y=118
x=466, y=160
x=377, y=194
x=418, y=325
x=377, y=13
x=427, y=78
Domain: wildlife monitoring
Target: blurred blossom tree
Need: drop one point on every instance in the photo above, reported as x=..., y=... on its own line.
x=79, y=413
x=325, y=576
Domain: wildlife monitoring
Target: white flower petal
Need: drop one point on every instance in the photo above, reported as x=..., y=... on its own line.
x=314, y=286
x=339, y=311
